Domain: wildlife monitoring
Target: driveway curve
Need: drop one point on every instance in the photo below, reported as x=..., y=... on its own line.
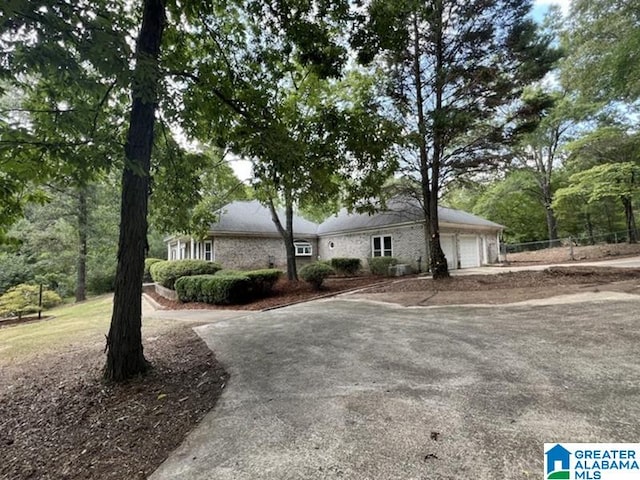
x=358, y=390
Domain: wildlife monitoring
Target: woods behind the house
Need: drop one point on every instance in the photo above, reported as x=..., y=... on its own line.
x=119, y=124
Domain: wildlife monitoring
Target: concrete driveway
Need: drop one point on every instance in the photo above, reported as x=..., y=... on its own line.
x=341, y=389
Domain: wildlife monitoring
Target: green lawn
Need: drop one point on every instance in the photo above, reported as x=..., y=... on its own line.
x=74, y=327
x=84, y=323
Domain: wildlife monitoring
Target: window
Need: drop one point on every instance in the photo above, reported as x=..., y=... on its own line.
x=303, y=248
x=208, y=251
x=331, y=245
x=382, y=246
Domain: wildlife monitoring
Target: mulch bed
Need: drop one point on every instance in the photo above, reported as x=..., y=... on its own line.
x=503, y=288
x=555, y=276
x=59, y=420
x=284, y=293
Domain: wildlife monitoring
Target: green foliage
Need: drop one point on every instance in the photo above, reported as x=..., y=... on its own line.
x=603, y=42
x=262, y=281
x=217, y=289
x=610, y=180
x=102, y=281
x=514, y=202
x=147, y=266
x=167, y=272
x=315, y=274
x=23, y=299
x=380, y=265
x=189, y=188
x=14, y=270
x=346, y=266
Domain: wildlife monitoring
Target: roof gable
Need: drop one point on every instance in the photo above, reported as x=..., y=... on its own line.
x=253, y=217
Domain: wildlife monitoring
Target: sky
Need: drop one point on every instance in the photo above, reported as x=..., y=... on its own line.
x=242, y=168
x=541, y=6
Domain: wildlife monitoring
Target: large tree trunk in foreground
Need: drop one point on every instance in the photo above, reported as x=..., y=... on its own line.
x=125, y=358
x=83, y=227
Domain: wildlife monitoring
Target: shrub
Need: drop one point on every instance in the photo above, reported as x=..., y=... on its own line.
x=216, y=289
x=262, y=281
x=315, y=273
x=101, y=282
x=380, y=265
x=147, y=265
x=346, y=266
x=14, y=270
x=24, y=299
x=167, y=272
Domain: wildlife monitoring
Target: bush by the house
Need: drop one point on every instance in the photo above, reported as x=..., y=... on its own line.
x=346, y=266
x=315, y=273
x=23, y=299
x=167, y=272
x=216, y=289
x=380, y=265
x=262, y=281
x=147, y=266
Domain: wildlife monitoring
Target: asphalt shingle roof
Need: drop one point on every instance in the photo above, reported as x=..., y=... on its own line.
x=398, y=211
x=254, y=218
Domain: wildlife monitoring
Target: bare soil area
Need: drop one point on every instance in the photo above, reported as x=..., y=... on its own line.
x=59, y=420
x=504, y=288
x=583, y=253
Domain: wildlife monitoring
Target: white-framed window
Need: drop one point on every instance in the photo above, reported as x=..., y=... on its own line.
x=331, y=245
x=381, y=246
x=303, y=248
x=208, y=251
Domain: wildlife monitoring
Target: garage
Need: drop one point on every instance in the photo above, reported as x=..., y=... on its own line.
x=469, y=250
x=447, y=242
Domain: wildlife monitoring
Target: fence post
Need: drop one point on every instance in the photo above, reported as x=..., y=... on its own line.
x=571, y=249
x=40, y=303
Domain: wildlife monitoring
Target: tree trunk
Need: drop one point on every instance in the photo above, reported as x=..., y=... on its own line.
x=592, y=239
x=287, y=236
x=83, y=227
x=632, y=232
x=552, y=223
x=439, y=268
x=125, y=358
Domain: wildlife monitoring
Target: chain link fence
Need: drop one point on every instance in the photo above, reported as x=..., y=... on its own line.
x=611, y=237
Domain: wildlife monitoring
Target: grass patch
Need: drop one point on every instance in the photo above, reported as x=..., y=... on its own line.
x=82, y=323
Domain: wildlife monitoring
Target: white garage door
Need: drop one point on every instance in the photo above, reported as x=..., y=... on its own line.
x=448, y=248
x=469, y=251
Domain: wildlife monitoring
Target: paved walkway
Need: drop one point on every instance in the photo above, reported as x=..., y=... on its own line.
x=339, y=389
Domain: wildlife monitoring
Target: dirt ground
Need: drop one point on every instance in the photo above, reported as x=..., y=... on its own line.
x=58, y=420
x=563, y=253
x=504, y=288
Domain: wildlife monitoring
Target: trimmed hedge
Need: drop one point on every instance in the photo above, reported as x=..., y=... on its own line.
x=346, y=266
x=315, y=273
x=147, y=265
x=262, y=281
x=216, y=289
x=167, y=272
x=380, y=265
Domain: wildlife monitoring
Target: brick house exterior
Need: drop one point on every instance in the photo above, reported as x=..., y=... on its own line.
x=246, y=238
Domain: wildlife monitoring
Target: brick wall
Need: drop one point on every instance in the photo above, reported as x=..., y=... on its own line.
x=243, y=252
